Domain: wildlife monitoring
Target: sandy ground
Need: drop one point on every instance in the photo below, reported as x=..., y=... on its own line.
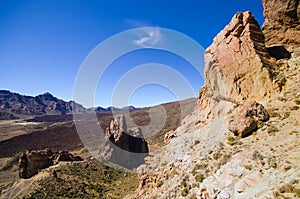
x=12, y=128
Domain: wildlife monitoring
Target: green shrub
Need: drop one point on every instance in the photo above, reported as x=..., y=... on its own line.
x=183, y=183
x=184, y=192
x=297, y=101
x=248, y=167
x=159, y=183
x=199, y=178
x=296, y=192
x=273, y=165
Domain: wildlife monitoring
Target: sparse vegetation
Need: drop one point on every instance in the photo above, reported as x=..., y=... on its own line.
x=294, y=108
x=217, y=155
x=296, y=192
x=184, y=192
x=86, y=180
x=273, y=113
x=297, y=101
x=257, y=156
x=272, y=129
x=11, y=162
x=199, y=178
x=231, y=140
x=183, y=183
x=159, y=183
x=273, y=165
x=248, y=167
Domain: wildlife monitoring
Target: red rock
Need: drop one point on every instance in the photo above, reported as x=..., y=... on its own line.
x=246, y=118
x=238, y=65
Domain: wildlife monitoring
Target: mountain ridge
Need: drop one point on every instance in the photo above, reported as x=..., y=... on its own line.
x=14, y=105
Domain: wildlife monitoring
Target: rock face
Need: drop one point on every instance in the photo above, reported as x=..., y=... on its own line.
x=31, y=162
x=282, y=24
x=246, y=118
x=123, y=145
x=238, y=65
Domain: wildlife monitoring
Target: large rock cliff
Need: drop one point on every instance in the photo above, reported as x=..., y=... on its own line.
x=238, y=67
x=243, y=139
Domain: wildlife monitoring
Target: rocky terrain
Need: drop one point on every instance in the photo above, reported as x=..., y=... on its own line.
x=242, y=141
x=58, y=133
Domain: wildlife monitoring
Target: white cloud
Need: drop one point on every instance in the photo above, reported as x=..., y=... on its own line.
x=148, y=37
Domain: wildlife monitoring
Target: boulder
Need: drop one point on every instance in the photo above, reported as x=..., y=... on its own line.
x=246, y=118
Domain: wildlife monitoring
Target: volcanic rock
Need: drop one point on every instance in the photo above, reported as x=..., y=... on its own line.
x=124, y=146
x=65, y=156
x=30, y=162
x=238, y=65
x=282, y=24
x=246, y=118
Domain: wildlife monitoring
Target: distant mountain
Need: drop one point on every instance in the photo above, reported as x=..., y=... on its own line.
x=13, y=105
x=111, y=108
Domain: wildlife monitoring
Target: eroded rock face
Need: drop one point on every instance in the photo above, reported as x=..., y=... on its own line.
x=246, y=118
x=30, y=162
x=282, y=24
x=124, y=146
x=238, y=65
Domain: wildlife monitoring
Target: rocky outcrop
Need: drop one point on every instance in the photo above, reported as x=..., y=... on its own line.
x=240, y=71
x=246, y=118
x=238, y=65
x=282, y=24
x=62, y=156
x=30, y=162
x=124, y=146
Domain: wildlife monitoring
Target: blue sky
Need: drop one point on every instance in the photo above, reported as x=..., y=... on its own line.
x=43, y=43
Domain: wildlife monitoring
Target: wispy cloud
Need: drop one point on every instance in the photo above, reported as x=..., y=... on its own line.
x=149, y=37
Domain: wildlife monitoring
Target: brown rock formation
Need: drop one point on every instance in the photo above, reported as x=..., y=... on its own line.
x=31, y=162
x=238, y=65
x=282, y=24
x=64, y=156
x=246, y=118
x=124, y=146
